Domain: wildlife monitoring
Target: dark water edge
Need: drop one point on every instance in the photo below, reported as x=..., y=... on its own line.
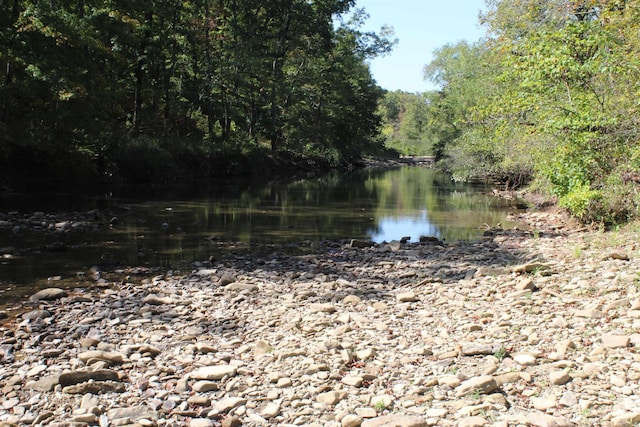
x=63, y=238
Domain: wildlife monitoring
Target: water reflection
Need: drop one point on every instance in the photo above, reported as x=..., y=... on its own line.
x=173, y=228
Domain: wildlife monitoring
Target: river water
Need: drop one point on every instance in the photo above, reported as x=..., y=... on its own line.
x=175, y=228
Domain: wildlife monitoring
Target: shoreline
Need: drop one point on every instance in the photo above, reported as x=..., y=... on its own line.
x=533, y=328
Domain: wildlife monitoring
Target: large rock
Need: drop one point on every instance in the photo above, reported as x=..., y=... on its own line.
x=483, y=384
x=48, y=294
x=76, y=377
x=216, y=372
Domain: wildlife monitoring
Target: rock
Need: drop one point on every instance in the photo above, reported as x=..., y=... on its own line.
x=352, y=299
x=351, y=420
x=36, y=314
x=232, y=421
x=108, y=356
x=133, y=413
x=626, y=419
x=542, y=404
x=530, y=268
x=544, y=420
x=201, y=422
x=356, y=243
x=396, y=421
x=239, y=287
x=619, y=255
x=205, y=386
x=76, y=377
x=479, y=349
x=322, y=308
x=406, y=297
x=525, y=284
x=483, y=384
x=615, y=341
x=270, y=411
x=559, y=377
x=97, y=387
x=524, y=359
x=229, y=403
x=48, y=294
x=153, y=299
x=216, y=372
x=331, y=397
x=473, y=422
x=226, y=279
x=47, y=383
x=353, y=381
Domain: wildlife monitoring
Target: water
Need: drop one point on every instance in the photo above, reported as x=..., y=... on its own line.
x=174, y=228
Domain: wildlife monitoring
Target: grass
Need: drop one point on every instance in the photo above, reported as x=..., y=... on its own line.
x=380, y=405
x=500, y=354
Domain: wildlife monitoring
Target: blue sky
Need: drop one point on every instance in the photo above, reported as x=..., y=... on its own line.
x=421, y=27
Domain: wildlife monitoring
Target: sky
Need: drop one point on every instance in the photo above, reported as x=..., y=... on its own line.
x=421, y=27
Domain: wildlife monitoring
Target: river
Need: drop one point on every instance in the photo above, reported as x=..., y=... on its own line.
x=173, y=228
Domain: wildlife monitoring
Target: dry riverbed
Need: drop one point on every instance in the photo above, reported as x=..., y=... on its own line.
x=522, y=328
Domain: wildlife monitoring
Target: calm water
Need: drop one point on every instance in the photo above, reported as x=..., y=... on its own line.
x=173, y=228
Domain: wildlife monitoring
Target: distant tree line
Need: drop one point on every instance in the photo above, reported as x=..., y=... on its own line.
x=549, y=98
x=160, y=90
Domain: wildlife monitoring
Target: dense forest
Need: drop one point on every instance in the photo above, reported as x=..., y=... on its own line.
x=161, y=91
x=550, y=98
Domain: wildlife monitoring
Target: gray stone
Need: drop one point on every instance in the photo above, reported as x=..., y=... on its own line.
x=48, y=294
x=97, y=387
x=229, y=403
x=213, y=372
x=483, y=384
x=76, y=377
x=331, y=397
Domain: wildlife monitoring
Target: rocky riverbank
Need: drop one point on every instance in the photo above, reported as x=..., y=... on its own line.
x=522, y=328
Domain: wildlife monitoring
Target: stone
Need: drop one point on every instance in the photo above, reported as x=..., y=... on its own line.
x=204, y=386
x=47, y=383
x=322, y=308
x=524, y=359
x=108, y=356
x=619, y=256
x=240, y=286
x=270, y=411
x=201, y=422
x=232, y=421
x=352, y=299
x=626, y=419
x=36, y=314
x=216, y=372
x=525, y=284
x=331, y=397
x=48, y=294
x=542, y=403
x=351, y=420
x=559, y=377
x=76, y=377
x=133, y=413
x=353, y=381
x=615, y=341
x=483, y=384
x=407, y=297
x=396, y=421
x=96, y=387
x=473, y=422
x=544, y=420
x=229, y=403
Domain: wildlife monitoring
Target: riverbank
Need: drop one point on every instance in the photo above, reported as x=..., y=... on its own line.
x=521, y=328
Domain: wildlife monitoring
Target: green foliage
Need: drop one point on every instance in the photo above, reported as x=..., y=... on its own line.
x=109, y=82
x=551, y=93
x=404, y=122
